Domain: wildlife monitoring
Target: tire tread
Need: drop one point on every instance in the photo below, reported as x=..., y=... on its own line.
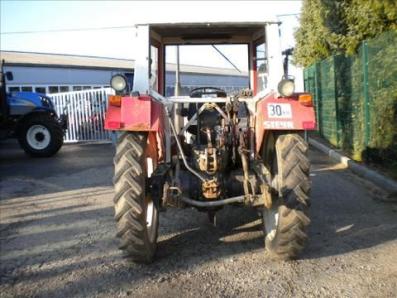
x=294, y=190
x=129, y=181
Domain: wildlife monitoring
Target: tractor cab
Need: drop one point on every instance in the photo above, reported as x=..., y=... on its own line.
x=261, y=39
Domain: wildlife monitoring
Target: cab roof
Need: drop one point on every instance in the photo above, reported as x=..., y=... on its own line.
x=206, y=30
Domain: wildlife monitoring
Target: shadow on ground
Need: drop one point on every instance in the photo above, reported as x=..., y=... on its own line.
x=73, y=167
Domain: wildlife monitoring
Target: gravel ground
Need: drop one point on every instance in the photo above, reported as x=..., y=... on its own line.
x=57, y=238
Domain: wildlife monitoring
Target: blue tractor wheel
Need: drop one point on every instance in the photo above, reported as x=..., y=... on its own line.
x=40, y=135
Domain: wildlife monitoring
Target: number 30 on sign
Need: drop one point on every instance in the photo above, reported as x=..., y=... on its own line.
x=279, y=110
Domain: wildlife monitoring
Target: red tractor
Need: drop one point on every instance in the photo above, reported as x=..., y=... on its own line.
x=210, y=149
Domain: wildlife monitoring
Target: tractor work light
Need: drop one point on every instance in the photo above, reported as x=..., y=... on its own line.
x=286, y=87
x=118, y=82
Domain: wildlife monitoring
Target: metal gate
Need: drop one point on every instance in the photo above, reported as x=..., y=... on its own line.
x=86, y=113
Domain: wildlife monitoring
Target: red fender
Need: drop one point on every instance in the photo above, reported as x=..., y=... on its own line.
x=139, y=113
x=281, y=113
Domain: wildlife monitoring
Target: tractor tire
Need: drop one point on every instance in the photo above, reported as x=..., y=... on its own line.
x=286, y=222
x=40, y=135
x=136, y=214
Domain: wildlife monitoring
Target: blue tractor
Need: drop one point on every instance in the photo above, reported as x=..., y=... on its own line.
x=31, y=118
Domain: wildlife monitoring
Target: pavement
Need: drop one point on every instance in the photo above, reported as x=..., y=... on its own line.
x=57, y=237
x=388, y=185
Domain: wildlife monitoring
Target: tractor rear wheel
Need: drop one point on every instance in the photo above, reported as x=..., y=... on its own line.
x=136, y=213
x=285, y=223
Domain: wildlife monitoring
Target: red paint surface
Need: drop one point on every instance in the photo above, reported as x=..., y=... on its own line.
x=302, y=117
x=309, y=125
x=140, y=114
x=135, y=114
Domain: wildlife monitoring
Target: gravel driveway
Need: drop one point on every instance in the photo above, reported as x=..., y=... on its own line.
x=57, y=238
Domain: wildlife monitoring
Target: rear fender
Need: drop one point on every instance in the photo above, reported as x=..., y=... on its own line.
x=281, y=114
x=139, y=113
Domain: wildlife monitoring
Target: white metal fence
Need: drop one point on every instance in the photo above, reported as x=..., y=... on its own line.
x=86, y=113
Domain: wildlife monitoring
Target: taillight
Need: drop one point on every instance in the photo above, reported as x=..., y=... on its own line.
x=115, y=100
x=306, y=99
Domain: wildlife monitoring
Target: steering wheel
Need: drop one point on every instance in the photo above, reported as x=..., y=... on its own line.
x=200, y=91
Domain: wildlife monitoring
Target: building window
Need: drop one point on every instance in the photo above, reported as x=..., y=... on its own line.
x=40, y=90
x=14, y=89
x=64, y=88
x=27, y=88
x=76, y=88
x=86, y=87
x=53, y=89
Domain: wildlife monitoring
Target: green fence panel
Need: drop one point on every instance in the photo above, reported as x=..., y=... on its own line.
x=311, y=85
x=326, y=101
x=355, y=99
x=382, y=98
x=343, y=91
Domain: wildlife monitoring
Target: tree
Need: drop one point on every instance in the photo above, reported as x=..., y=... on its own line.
x=338, y=26
x=368, y=19
x=310, y=44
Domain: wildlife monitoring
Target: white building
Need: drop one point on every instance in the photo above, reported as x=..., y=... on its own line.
x=53, y=73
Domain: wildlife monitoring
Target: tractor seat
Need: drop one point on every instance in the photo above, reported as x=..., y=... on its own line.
x=203, y=92
x=207, y=117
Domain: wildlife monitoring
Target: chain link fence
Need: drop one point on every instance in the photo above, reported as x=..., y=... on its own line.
x=356, y=101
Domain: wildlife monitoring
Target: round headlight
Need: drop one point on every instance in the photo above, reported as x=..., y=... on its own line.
x=118, y=82
x=286, y=87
